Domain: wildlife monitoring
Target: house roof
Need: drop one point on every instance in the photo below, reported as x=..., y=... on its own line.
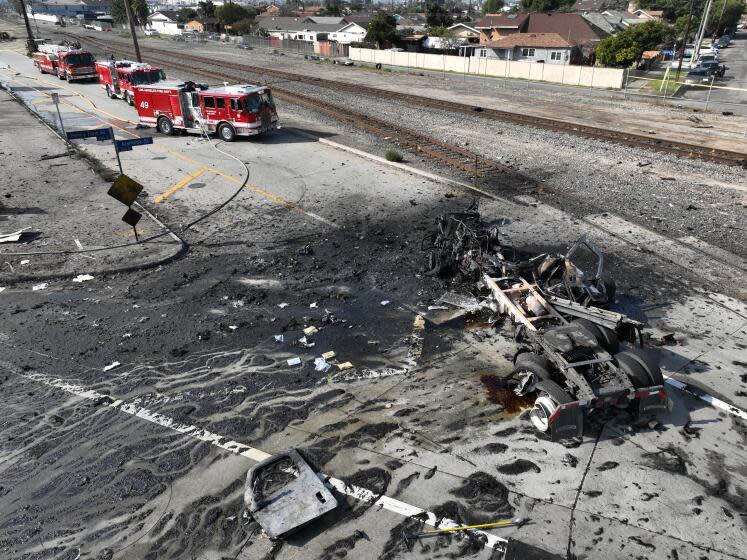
x=353, y=24
x=650, y=13
x=324, y=19
x=273, y=23
x=171, y=15
x=467, y=27
x=598, y=20
x=501, y=21
x=573, y=27
x=541, y=40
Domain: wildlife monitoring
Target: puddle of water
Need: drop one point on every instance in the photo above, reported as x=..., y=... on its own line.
x=500, y=393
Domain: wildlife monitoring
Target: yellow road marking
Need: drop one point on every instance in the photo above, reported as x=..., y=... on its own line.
x=261, y=192
x=163, y=196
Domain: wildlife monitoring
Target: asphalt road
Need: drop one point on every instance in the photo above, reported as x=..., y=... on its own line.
x=133, y=462
x=735, y=79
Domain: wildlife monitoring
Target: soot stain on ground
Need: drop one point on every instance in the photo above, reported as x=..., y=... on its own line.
x=518, y=467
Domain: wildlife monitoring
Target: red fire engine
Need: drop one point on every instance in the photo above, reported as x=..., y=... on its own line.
x=46, y=59
x=65, y=62
x=230, y=111
x=119, y=77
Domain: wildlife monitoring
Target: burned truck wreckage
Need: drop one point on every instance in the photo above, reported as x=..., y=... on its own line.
x=572, y=354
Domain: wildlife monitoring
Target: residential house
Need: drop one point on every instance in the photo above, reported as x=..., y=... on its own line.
x=549, y=48
x=495, y=26
x=312, y=29
x=352, y=32
x=203, y=25
x=465, y=31
x=582, y=6
x=271, y=10
x=414, y=22
x=656, y=15
x=573, y=27
x=165, y=22
x=622, y=19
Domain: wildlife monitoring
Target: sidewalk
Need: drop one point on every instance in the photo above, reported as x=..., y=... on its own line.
x=55, y=195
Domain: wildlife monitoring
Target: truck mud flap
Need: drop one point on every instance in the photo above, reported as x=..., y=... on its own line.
x=567, y=421
x=652, y=401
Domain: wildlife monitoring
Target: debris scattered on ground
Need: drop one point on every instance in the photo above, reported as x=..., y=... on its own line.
x=112, y=366
x=308, y=331
x=313, y=305
x=282, y=305
x=12, y=237
x=82, y=278
x=279, y=337
x=42, y=286
x=320, y=364
x=344, y=366
x=25, y=261
x=233, y=327
x=385, y=302
x=305, y=342
x=2, y=289
x=329, y=355
x=294, y=361
x=284, y=494
x=437, y=308
x=468, y=303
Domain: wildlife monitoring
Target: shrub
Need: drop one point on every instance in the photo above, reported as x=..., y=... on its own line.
x=393, y=155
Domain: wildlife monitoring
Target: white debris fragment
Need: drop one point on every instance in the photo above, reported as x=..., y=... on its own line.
x=313, y=305
x=308, y=331
x=282, y=305
x=1, y=289
x=25, y=261
x=305, y=342
x=279, y=338
x=385, y=302
x=345, y=365
x=127, y=335
x=320, y=364
x=437, y=307
x=233, y=327
x=82, y=278
x=294, y=361
x=112, y=366
x=42, y=286
x=329, y=355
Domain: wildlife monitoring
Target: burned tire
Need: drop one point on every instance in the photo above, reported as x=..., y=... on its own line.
x=644, y=362
x=606, y=338
x=636, y=371
x=165, y=126
x=534, y=363
x=226, y=132
x=551, y=395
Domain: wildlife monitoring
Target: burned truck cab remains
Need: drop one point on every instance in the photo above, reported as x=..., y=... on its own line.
x=573, y=356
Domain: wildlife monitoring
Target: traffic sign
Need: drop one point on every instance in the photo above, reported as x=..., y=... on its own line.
x=131, y=217
x=99, y=134
x=125, y=190
x=126, y=145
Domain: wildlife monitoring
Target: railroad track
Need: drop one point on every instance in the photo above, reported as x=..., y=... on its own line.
x=681, y=149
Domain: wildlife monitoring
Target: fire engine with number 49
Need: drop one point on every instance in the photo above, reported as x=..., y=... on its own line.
x=119, y=77
x=228, y=111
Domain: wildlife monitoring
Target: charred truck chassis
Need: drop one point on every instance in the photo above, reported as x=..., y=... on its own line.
x=569, y=352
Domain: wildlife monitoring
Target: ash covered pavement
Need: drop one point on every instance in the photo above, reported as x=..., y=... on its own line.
x=135, y=402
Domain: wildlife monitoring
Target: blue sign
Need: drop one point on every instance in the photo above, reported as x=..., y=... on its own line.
x=99, y=134
x=126, y=145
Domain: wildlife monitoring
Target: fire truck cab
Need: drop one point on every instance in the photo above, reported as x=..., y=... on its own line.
x=120, y=77
x=229, y=111
x=76, y=65
x=46, y=62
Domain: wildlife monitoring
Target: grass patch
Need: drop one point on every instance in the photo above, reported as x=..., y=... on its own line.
x=656, y=86
x=393, y=155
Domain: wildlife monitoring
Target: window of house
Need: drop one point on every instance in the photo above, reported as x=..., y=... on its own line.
x=527, y=52
x=220, y=102
x=556, y=55
x=209, y=103
x=483, y=53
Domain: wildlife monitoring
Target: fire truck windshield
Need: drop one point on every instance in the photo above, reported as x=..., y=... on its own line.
x=149, y=77
x=254, y=102
x=79, y=58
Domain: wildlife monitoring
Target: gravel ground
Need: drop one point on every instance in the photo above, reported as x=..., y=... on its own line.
x=674, y=196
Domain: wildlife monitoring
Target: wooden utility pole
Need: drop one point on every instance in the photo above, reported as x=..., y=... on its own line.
x=684, y=42
x=130, y=19
x=30, y=42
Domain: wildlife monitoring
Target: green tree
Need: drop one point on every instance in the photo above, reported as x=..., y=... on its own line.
x=491, y=6
x=382, y=28
x=206, y=8
x=626, y=48
x=545, y=5
x=186, y=14
x=436, y=16
x=139, y=12
x=244, y=26
x=681, y=23
x=228, y=14
x=332, y=8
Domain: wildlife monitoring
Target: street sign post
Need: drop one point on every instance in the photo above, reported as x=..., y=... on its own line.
x=100, y=134
x=125, y=190
x=56, y=101
x=127, y=145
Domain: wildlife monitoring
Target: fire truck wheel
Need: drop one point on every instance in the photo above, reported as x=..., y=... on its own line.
x=165, y=126
x=226, y=132
x=129, y=99
x=61, y=75
x=606, y=338
x=109, y=92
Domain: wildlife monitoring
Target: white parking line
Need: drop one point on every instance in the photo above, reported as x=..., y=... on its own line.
x=357, y=492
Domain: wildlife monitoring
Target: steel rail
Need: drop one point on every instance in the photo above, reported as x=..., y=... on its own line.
x=681, y=149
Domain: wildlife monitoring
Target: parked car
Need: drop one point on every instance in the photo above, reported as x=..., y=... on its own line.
x=707, y=57
x=713, y=66
x=151, y=33
x=699, y=76
x=724, y=41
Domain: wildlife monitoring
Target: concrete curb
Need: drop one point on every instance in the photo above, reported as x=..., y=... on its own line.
x=13, y=278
